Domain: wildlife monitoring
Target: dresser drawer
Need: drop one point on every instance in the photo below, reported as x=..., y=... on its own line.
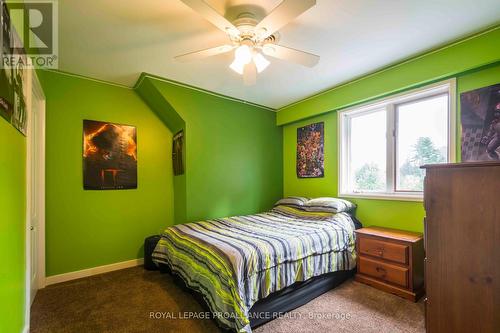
x=383, y=249
x=386, y=272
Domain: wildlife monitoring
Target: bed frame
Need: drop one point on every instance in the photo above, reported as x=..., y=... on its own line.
x=282, y=301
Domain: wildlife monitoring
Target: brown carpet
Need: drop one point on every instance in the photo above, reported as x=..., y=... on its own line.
x=122, y=301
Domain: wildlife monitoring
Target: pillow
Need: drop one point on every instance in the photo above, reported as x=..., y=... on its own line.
x=301, y=213
x=329, y=205
x=297, y=202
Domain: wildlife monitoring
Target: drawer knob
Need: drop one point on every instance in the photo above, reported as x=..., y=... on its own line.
x=381, y=271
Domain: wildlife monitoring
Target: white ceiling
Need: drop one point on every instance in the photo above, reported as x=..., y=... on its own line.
x=116, y=40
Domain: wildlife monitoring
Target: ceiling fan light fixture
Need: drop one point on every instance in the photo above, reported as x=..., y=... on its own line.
x=260, y=62
x=237, y=66
x=243, y=54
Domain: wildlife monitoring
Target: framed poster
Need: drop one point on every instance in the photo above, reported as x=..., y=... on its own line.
x=177, y=148
x=480, y=119
x=20, y=86
x=109, y=156
x=14, y=76
x=6, y=73
x=310, y=151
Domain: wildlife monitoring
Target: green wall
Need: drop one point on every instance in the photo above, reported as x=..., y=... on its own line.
x=233, y=166
x=233, y=150
x=393, y=214
x=389, y=213
x=92, y=228
x=12, y=227
x=474, y=61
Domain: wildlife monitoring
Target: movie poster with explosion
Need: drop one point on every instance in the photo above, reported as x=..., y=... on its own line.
x=310, y=151
x=109, y=156
x=481, y=124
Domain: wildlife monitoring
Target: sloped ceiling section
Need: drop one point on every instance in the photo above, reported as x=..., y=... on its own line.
x=117, y=40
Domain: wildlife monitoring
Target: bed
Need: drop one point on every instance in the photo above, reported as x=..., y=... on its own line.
x=244, y=266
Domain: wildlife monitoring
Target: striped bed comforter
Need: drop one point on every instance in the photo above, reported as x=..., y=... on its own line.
x=236, y=261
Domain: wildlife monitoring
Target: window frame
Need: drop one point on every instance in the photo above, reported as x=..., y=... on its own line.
x=390, y=105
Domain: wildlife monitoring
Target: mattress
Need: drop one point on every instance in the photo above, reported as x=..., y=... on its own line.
x=236, y=261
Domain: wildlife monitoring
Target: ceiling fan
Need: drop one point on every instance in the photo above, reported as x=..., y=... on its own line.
x=251, y=39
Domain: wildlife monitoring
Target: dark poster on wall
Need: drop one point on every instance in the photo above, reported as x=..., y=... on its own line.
x=109, y=156
x=20, y=110
x=310, y=151
x=13, y=77
x=481, y=124
x=6, y=73
x=177, y=147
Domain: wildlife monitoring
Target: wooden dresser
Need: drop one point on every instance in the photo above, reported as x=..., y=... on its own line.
x=391, y=260
x=462, y=242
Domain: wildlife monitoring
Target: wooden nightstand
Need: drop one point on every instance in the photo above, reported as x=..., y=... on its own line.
x=391, y=260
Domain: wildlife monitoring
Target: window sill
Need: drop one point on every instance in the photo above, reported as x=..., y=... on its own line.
x=385, y=196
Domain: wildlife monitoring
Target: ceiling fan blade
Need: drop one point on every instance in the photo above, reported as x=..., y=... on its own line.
x=204, y=53
x=289, y=54
x=285, y=12
x=250, y=74
x=210, y=14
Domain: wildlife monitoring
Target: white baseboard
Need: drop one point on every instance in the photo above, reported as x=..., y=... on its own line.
x=26, y=328
x=92, y=271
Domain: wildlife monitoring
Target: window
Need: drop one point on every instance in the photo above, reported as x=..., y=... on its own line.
x=383, y=145
x=368, y=151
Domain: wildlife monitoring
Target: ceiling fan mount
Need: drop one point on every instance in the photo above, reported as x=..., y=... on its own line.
x=245, y=19
x=252, y=37
x=246, y=22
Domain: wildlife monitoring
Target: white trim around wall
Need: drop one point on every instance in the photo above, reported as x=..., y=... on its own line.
x=92, y=271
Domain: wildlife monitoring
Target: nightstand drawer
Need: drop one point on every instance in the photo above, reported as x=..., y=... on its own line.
x=383, y=249
x=386, y=272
